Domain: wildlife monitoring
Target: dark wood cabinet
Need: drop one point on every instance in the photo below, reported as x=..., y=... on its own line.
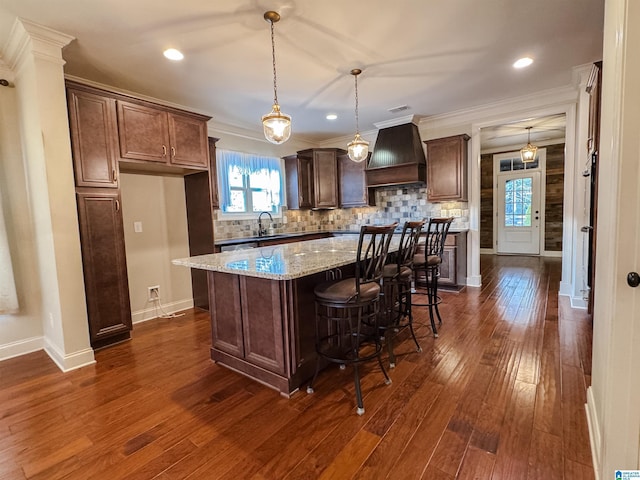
x=107, y=128
x=249, y=326
x=447, y=168
x=299, y=181
x=325, y=178
x=104, y=264
x=312, y=178
x=453, y=270
x=94, y=138
x=151, y=134
x=352, y=183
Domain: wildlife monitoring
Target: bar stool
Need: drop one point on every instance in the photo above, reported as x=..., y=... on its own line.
x=347, y=310
x=429, y=264
x=396, y=287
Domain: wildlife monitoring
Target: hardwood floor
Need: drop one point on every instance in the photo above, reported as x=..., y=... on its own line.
x=499, y=395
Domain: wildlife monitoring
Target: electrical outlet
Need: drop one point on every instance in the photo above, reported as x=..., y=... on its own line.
x=153, y=293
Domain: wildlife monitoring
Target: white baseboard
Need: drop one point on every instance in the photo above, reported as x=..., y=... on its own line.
x=594, y=432
x=474, y=281
x=22, y=347
x=565, y=289
x=153, y=313
x=579, y=303
x=548, y=253
x=487, y=251
x=69, y=361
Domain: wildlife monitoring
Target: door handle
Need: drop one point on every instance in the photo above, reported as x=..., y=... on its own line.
x=633, y=279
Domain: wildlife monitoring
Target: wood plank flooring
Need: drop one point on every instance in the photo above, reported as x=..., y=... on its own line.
x=499, y=395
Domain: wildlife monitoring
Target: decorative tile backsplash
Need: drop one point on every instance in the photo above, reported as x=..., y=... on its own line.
x=393, y=204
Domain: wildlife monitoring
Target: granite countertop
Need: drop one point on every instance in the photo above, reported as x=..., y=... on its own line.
x=283, y=262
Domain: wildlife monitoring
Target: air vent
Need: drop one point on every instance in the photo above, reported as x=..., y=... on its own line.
x=399, y=109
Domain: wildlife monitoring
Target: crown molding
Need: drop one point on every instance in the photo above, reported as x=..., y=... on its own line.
x=496, y=110
x=399, y=121
x=43, y=42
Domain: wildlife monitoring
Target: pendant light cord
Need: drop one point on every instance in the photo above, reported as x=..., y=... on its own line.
x=273, y=56
x=357, y=119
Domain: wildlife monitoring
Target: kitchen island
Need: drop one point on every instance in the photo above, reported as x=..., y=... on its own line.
x=262, y=305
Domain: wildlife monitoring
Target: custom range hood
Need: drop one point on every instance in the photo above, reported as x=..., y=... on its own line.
x=398, y=157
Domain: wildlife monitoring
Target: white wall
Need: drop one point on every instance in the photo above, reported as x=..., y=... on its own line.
x=158, y=203
x=20, y=332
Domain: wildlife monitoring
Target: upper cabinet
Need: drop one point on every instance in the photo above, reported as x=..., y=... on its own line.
x=94, y=138
x=312, y=178
x=447, y=168
x=353, y=183
x=152, y=134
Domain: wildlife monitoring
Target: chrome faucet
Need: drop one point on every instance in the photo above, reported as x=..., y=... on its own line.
x=261, y=230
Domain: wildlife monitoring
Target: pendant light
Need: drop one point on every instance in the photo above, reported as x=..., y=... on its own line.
x=358, y=149
x=277, y=125
x=528, y=152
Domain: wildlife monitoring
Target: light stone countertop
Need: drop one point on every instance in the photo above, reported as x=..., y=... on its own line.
x=283, y=262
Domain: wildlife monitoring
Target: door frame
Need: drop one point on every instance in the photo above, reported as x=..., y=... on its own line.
x=542, y=168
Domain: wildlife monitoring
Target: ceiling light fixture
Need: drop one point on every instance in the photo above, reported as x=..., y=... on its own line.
x=277, y=125
x=523, y=62
x=173, y=54
x=358, y=149
x=528, y=152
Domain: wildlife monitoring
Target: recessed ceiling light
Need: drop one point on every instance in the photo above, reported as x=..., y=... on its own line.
x=332, y=116
x=523, y=62
x=173, y=54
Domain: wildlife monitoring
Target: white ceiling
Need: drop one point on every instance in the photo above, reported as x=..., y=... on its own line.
x=435, y=56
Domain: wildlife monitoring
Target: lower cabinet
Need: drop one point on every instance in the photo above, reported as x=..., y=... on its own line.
x=248, y=322
x=453, y=270
x=104, y=265
x=264, y=328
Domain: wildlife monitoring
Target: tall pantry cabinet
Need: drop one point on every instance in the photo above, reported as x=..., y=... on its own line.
x=99, y=142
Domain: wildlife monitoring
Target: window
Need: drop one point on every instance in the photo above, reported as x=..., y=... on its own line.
x=249, y=183
x=517, y=202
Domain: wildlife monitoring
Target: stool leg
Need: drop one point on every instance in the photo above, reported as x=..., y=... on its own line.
x=432, y=301
x=435, y=294
x=389, y=335
x=356, y=373
x=407, y=297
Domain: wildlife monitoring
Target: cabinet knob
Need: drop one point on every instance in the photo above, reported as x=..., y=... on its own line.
x=164, y=150
x=115, y=175
x=173, y=151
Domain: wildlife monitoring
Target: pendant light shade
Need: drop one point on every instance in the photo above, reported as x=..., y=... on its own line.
x=358, y=149
x=277, y=125
x=528, y=152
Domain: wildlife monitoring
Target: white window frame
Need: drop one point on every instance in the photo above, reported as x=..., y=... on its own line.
x=250, y=215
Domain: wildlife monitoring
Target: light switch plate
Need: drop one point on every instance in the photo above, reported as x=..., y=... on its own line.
x=137, y=227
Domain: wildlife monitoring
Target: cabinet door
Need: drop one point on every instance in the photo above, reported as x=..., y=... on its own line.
x=325, y=169
x=144, y=133
x=262, y=323
x=188, y=140
x=447, y=169
x=352, y=183
x=225, y=308
x=94, y=139
x=104, y=264
x=298, y=170
x=448, y=267
x=305, y=182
